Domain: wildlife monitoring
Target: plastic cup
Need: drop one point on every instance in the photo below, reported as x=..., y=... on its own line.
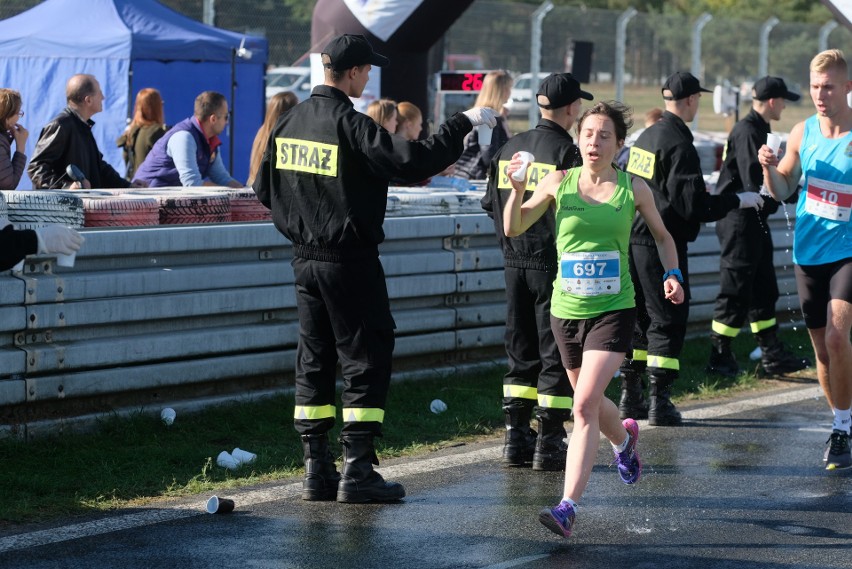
x=521, y=174
x=243, y=456
x=483, y=132
x=773, y=141
x=225, y=460
x=66, y=260
x=168, y=415
x=217, y=505
x=437, y=406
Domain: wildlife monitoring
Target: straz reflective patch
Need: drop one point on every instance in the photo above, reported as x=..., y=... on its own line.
x=536, y=172
x=641, y=163
x=306, y=156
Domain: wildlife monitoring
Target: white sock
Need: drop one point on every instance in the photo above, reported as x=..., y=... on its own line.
x=623, y=446
x=842, y=420
x=570, y=502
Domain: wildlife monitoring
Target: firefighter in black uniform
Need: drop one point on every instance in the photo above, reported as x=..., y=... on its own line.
x=15, y=244
x=536, y=373
x=325, y=177
x=665, y=157
x=748, y=287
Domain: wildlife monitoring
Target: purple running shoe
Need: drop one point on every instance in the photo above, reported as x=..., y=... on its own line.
x=559, y=520
x=629, y=465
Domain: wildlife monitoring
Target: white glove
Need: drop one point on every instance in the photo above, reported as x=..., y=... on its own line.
x=481, y=115
x=750, y=199
x=58, y=239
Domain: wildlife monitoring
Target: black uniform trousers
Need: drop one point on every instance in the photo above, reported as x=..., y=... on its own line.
x=344, y=315
x=748, y=286
x=535, y=366
x=660, y=325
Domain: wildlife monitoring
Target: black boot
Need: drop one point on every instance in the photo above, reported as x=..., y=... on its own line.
x=633, y=404
x=360, y=483
x=775, y=357
x=550, y=447
x=519, y=444
x=662, y=411
x=722, y=360
x=321, y=476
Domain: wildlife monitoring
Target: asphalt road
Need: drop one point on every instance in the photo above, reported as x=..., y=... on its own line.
x=741, y=486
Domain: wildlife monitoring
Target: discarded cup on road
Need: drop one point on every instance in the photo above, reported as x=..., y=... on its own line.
x=528, y=159
x=217, y=505
x=225, y=460
x=168, y=415
x=243, y=456
x=773, y=141
x=437, y=406
x=483, y=134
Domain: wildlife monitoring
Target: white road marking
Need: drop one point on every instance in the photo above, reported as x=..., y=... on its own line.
x=165, y=513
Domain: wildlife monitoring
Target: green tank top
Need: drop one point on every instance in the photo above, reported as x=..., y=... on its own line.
x=591, y=243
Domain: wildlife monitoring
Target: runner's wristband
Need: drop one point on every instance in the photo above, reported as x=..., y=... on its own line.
x=674, y=273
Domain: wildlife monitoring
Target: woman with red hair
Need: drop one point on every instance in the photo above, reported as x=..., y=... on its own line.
x=147, y=127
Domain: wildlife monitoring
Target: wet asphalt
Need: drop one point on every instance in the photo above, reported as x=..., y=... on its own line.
x=741, y=485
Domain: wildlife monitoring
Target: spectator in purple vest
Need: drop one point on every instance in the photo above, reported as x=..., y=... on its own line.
x=188, y=154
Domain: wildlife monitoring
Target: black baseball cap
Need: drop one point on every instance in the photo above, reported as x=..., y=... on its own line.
x=682, y=84
x=351, y=50
x=561, y=89
x=769, y=87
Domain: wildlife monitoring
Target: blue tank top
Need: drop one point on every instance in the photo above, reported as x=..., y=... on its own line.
x=822, y=233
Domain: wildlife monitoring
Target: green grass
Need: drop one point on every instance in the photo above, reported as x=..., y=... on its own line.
x=136, y=460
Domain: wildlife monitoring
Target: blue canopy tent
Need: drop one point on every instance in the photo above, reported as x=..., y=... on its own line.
x=129, y=45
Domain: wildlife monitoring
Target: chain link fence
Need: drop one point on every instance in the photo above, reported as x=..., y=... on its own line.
x=656, y=45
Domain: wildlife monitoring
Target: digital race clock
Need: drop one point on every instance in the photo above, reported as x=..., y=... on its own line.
x=461, y=81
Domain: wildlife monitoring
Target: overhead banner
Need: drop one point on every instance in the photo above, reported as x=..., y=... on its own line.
x=842, y=10
x=382, y=18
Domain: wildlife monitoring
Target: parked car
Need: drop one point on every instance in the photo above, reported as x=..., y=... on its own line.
x=519, y=100
x=295, y=79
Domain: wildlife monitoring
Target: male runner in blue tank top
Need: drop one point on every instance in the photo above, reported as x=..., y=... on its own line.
x=821, y=149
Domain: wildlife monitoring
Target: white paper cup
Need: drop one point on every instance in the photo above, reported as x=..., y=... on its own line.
x=483, y=132
x=66, y=260
x=243, y=456
x=217, y=505
x=437, y=406
x=773, y=141
x=168, y=415
x=225, y=460
x=528, y=159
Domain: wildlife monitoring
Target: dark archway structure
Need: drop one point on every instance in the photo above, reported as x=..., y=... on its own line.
x=408, y=37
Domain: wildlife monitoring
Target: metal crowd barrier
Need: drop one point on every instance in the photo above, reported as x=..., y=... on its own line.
x=203, y=313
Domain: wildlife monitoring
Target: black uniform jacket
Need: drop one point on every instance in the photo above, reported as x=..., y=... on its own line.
x=741, y=171
x=665, y=157
x=553, y=149
x=326, y=168
x=67, y=139
x=15, y=245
